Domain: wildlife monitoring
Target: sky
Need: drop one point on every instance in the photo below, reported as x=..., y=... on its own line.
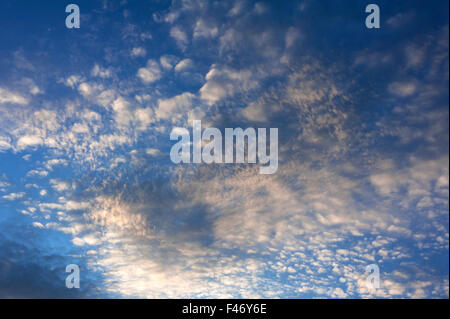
x=363, y=128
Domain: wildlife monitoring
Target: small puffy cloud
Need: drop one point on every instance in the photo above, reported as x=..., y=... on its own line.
x=29, y=141
x=5, y=143
x=101, y=72
x=172, y=107
x=59, y=185
x=398, y=229
x=53, y=162
x=402, y=89
x=442, y=181
x=255, y=111
x=35, y=90
x=145, y=117
x=123, y=114
x=152, y=151
x=37, y=225
x=339, y=293
x=85, y=89
x=75, y=205
x=205, y=30
x=385, y=183
x=138, y=52
x=72, y=81
x=86, y=240
x=14, y=196
x=150, y=73
x=223, y=82
x=7, y=96
x=183, y=65
x=179, y=36
x=167, y=61
x=37, y=173
x=43, y=192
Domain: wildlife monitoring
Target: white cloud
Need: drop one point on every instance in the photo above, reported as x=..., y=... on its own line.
x=223, y=82
x=138, y=52
x=123, y=114
x=75, y=205
x=183, y=65
x=39, y=173
x=385, y=183
x=37, y=225
x=72, y=80
x=53, y=162
x=179, y=36
x=14, y=196
x=7, y=96
x=5, y=143
x=174, y=107
x=150, y=73
x=205, y=30
x=402, y=89
x=145, y=117
x=86, y=240
x=101, y=72
x=59, y=185
x=29, y=141
x=85, y=89
x=167, y=61
x=255, y=112
x=152, y=151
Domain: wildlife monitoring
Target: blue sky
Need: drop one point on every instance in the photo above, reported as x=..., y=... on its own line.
x=86, y=177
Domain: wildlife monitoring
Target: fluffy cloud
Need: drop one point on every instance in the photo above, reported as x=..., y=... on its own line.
x=222, y=82
x=174, y=107
x=180, y=37
x=7, y=96
x=150, y=73
x=403, y=89
x=183, y=65
x=14, y=196
x=138, y=52
x=101, y=72
x=29, y=141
